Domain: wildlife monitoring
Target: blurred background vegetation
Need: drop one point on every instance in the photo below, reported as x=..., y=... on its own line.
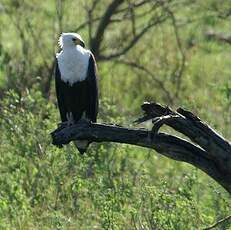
x=176, y=52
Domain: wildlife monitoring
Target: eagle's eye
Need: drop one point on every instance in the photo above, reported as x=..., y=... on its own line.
x=74, y=39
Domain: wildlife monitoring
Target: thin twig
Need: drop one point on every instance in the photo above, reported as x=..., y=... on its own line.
x=90, y=11
x=135, y=5
x=218, y=222
x=134, y=41
x=178, y=71
x=85, y=23
x=158, y=82
x=218, y=36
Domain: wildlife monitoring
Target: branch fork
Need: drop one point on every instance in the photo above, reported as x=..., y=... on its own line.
x=207, y=150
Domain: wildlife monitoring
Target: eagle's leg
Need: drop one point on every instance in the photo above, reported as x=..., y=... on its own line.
x=70, y=119
x=156, y=126
x=84, y=119
x=160, y=121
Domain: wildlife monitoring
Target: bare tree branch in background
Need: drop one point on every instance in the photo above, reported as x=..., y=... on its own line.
x=90, y=20
x=133, y=42
x=155, y=79
x=120, y=11
x=24, y=27
x=218, y=36
x=103, y=24
x=225, y=14
x=133, y=17
x=177, y=72
x=114, y=14
x=226, y=219
x=59, y=13
x=49, y=67
x=20, y=67
x=87, y=23
x=126, y=16
x=128, y=13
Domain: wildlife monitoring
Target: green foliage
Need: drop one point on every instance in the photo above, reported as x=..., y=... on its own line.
x=110, y=188
x=113, y=186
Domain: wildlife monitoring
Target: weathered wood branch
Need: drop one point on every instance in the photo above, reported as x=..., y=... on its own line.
x=218, y=36
x=211, y=153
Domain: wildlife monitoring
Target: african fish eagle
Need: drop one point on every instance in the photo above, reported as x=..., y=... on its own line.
x=76, y=83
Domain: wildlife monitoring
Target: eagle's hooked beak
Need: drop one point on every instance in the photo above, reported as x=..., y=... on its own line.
x=79, y=42
x=82, y=44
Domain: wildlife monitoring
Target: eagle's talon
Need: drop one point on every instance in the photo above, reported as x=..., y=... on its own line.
x=157, y=123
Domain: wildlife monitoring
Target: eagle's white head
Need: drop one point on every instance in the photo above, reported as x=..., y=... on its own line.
x=69, y=40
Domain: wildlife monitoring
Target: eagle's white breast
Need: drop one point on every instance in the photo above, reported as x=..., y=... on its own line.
x=73, y=64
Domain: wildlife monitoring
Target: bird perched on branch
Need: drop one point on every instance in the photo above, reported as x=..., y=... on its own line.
x=76, y=83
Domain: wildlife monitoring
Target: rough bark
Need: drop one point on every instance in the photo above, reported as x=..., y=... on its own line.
x=104, y=22
x=211, y=153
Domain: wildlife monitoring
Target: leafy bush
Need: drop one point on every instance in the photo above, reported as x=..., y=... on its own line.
x=108, y=188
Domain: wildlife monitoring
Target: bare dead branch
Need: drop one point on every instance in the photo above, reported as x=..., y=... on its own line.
x=48, y=66
x=158, y=82
x=217, y=147
x=225, y=15
x=93, y=20
x=133, y=18
x=135, y=39
x=127, y=13
x=227, y=218
x=218, y=36
x=212, y=153
x=104, y=22
x=59, y=13
x=85, y=23
x=179, y=69
x=125, y=9
x=90, y=20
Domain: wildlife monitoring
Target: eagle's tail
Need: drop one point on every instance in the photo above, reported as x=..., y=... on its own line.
x=81, y=145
